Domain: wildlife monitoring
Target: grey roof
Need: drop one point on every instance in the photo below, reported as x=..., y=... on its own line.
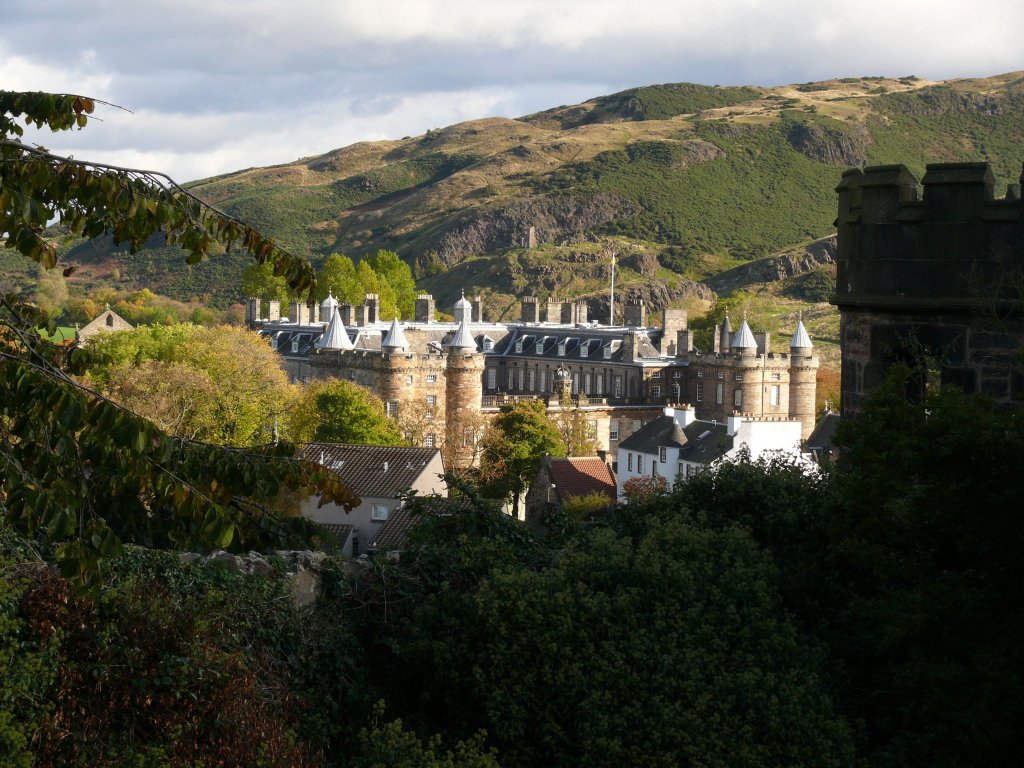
x=340, y=531
x=701, y=442
x=820, y=440
x=801, y=339
x=462, y=339
x=725, y=339
x=395, y=532
x=395, y=338
x=336, y=335
x=592, y=341
x=744, y=338
x=379, y=471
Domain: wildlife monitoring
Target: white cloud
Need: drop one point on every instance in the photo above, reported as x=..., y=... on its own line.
x=218, y=85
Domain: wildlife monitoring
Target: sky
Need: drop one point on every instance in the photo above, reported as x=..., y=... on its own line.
x=219, y=85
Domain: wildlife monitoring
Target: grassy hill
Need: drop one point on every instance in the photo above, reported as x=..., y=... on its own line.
x=683, y=180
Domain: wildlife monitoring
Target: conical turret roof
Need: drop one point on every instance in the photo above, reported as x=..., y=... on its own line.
x=744, y=338
x=395, y=339
x=725, y=339
x=336, y=335
x=801, y=339
x=463, y=339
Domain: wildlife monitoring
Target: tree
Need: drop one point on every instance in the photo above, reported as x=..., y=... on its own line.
x=574, y=427
x=260, y=282
x=514, y=444
x=371, y=282
x=77, y=468
x=397, y=274
x=338, y=277
x=223, y=384
x=338, y=411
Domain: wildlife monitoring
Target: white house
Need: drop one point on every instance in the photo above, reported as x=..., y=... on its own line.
x=379, y=475
x=677, y=445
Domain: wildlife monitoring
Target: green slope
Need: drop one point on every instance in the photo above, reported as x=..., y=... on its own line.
x=695, y=177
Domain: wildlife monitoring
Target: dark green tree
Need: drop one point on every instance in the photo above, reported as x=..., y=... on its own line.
x=513, y=445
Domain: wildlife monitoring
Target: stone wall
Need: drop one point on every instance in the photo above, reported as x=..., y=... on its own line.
x=934, y=279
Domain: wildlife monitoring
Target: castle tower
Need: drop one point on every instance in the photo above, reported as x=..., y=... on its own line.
x=395, y=366
x=327, y=307
x=746, y=373
x=803, y=374
x=464, y=389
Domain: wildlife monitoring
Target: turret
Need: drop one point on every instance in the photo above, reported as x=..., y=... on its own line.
x=464, y=389
x=463, y=310
x=803, y=375
x=744, y=342
x=336, y=335
x=394, y=340
x=327, y=307
x=725, y=334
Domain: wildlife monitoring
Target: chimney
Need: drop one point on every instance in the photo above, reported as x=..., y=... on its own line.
x=531, y=310
x=425, y=308
x=685, y=415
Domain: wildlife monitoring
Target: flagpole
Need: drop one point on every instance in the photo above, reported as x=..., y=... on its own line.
x=611, y=298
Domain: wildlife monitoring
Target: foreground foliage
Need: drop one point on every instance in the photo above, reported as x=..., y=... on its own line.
x=76, y=467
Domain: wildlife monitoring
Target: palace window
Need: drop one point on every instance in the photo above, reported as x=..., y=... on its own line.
x=431, y=378
x=511, y=379
x=599, y=384
x=676, y=374
x=720, y=375
x=543, y=380
x=719, y=393
x=656, y=375
x=586, y=384
x=408, y=379
x=655, y=391
x=613, y=429
x=392, y=408
x=531, y=379
x=492, y=378
x=737, y=398
x=700, y=391
x=431, y=401
x=775, y=394
x=618, y=386
x=429, y=440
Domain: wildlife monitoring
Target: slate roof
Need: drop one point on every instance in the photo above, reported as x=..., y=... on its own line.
x=704, y=441
x=395, y=531
x=578, y=476
x=591, y=341
x=362, y=467
x=801, y=339
x=820, y=440
x=340, y=531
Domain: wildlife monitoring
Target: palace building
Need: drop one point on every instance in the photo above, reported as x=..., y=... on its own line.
x=447, y=377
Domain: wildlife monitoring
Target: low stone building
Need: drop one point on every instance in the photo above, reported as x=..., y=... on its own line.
x=561, y=479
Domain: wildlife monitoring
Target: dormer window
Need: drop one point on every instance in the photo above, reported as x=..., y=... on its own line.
x=607, y=351
x=519, y=345
x=540, y=346
x=585, y=349
x=488, y=344
x=295, y=345
x=561, y=348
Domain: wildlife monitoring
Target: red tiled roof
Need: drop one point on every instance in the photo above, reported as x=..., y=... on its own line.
x=580, y=476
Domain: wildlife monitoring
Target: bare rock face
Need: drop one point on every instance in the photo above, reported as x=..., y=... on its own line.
x=656, y=294
x=780, y=267
x=835, y=146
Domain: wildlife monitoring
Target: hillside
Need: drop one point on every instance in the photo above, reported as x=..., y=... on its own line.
x=682, y=181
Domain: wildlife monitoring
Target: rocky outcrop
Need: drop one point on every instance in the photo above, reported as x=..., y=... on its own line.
x=779, y=267
x=553, y=218
x=656, y=294
x=830, y=144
